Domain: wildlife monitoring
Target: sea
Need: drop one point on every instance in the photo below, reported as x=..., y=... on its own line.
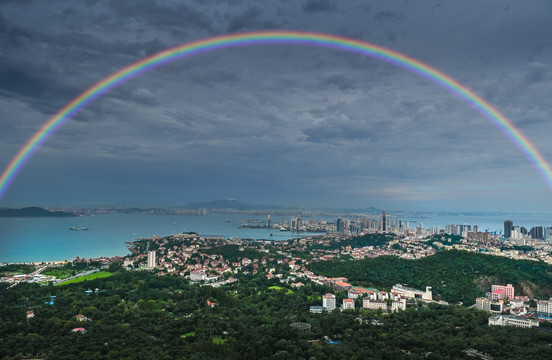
x=50, y=239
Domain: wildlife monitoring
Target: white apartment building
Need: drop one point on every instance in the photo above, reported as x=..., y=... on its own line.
x=544, y=308
x=348, y=304
x=489, y=305
x=374, y=304
x=508, y=320
x=413, y=293
x=151, y=259
x=398, y=305
x=328, y=302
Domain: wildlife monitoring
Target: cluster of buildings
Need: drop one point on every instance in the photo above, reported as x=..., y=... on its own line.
x=372, y=299
x=511, y=310
x=521, y=236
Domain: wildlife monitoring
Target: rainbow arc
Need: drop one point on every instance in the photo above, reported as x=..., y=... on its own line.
x=273, y=37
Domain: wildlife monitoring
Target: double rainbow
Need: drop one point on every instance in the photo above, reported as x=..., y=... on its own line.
x=272, y=37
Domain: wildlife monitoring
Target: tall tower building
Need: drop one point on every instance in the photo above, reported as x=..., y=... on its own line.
x=299, y=224
x=383, y=222
x=537, y=232
x=328, y=302
x=508, y=227
x=151, y=259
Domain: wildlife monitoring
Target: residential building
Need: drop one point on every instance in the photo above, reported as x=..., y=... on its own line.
x=356, y=292
x=507, y=291
x=81, y=317
x=483, y=304
x=498, y=295
x=374, y=304
x=383, y=222
x=509, y=320
x=151, y=259
x=328, y=302
x=508, y=227
x=544, y=308
x=348, y=304
x=398, y=305
x=488, y=305
x=198, y=275
x=410, y=293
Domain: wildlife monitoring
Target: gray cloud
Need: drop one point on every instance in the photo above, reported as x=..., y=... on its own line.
x=388, y=16
x=319, y=6
x=297, y=123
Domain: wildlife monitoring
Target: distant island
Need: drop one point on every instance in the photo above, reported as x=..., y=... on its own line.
x=33, y=212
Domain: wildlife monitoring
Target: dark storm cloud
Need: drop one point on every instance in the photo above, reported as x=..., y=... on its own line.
x=319, y=6
x=536, y=73
x=246, y=20
x=388, y=16
x=290, y=120
x=38, y=85
x=163, y=14
x=340, y=81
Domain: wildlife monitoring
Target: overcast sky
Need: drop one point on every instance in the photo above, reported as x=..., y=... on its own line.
x=278, y=124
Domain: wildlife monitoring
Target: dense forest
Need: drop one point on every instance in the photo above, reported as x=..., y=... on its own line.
x=138, y=315
x=455, y=276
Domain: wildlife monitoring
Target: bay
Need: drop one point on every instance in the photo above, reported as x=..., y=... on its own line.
x=49, y=239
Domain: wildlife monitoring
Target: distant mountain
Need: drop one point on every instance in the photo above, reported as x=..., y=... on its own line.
x=222, y=204
x=33, y=212
x=370, y=210
x=238, y=205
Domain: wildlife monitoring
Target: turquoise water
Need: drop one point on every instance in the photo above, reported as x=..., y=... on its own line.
x=46, y=239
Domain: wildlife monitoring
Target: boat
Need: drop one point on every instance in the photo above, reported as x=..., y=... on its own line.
x=78, y=228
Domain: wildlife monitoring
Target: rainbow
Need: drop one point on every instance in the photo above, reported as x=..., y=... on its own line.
x=272, y=37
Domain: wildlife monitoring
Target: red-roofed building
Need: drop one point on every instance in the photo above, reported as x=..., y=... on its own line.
x=348, y=304
x=79, y=330
x=497, y=295
x=508, y=290
x=342, y=285
x=80, y=317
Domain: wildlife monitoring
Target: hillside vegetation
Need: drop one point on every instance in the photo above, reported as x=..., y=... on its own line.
x=453, y=275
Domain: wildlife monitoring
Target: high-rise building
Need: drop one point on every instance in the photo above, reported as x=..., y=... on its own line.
x=508, y=227
x=151, y=259
x=328, y=302
x=537, y=232
x=548, y=235
x=342, y=225
x=383, y=222
x=299, y=224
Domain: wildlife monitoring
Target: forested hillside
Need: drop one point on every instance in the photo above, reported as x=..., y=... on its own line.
x=457, y=276
x=138, y=315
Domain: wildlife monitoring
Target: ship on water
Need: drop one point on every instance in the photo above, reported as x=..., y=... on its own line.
x=78, y=228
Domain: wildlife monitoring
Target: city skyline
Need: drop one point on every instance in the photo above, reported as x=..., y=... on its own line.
x=298, y=125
